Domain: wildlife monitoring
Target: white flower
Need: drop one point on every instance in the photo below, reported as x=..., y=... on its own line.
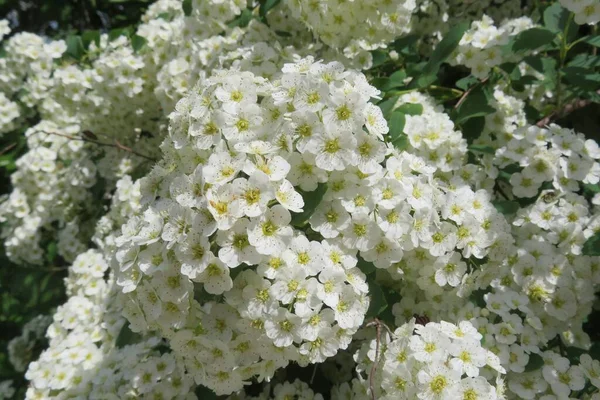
x=270, y=232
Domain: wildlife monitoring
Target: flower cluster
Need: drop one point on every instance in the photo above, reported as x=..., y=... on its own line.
x=480, y=48
x=355, y=27
x=434, y=361
x=254, y=142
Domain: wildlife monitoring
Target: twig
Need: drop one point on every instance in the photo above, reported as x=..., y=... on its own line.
x=8, y=148
x=116, y=144
x=566, y=110
x=377, y=324
x=466, y=93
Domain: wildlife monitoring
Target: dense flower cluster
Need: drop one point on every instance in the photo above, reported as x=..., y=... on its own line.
x=233, y=210
x=480, y=49
x=355, y=27
x=278, y=202
x=435, y=361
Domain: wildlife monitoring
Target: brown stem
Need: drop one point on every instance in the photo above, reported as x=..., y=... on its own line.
x=465, y=94
x=8, y=148
x=116, y=144
x=564, y=111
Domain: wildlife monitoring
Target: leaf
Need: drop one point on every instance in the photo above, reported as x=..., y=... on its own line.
x=506, y=207
x=475, y=105
x=482, y=149
x=395, y=80
x=187, y=7
x=266, y=6
x=410, y=109
x=386, y=106
x=584, y=61
x=593, y=40
x=137, y=42
x=127, y=336
x=403, y=44
x=443, y=94
x=583, y=77
x=446, y=47
x=115, y=33
x=204, y=393
x=365, y=266
x=592, y=246
x=379, y=57
x=472, y=128
x=90, y=36
x=396, y=134
x=378, y=301
x=532, y=39
x=556, y=18
x=311, y=201
x=243, y=20
x=535, y=362
x=75, y=47
x=466, y=82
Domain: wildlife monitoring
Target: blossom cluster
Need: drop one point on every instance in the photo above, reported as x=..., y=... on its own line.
x=480, y=48
x=433, y=361
x=355, y=27
x=278, y=201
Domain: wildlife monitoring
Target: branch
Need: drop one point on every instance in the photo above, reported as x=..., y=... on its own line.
x=563, y=112
x=91, y=138
x=466, y=93
x=378, y=325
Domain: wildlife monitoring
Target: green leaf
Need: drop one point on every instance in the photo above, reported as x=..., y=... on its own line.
x=90, y=36
x=446, y=47
x=593, y=40
x=410, y=109
x=75, y=47
x=115, y=33
x=532, y=39
x=482, y=149
x=403, y=44
x=395, y=80
x=311, y=201
x=585, y=61
x=472, y=128
x=204, y=393
x=266, y=6
x=137, y=42
x=535, y=362
x=592, y=246
x=466, y=82
x=475, y=105
x=378, y=302
x=127, y=336
x=396, y=133
x=379, y=57
x=51, y=252
x=365, y=266
x=187, y=7
x=506, y=207
x=556, y=18
x=243, y=20
x=443, y=94
x=386, y=106
x=583, y=77
x=423, y=81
